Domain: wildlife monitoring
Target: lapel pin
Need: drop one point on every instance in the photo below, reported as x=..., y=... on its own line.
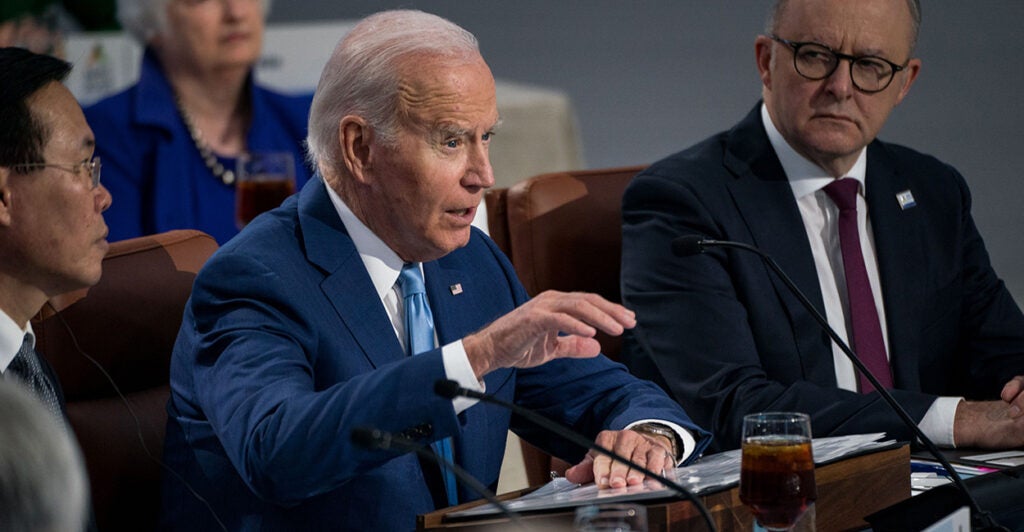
x=906, y=199
x=456, y=289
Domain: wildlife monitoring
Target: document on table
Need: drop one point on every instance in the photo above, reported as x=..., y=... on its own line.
x=710, y=474
x=1004, y=459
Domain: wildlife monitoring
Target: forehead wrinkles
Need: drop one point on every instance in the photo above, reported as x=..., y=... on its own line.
x=444, y=89
x=418, y=101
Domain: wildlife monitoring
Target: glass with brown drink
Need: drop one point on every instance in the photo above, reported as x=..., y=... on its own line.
x=777, y=471
x=264, y=180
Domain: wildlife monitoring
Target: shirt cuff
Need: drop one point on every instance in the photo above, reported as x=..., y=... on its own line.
x=937, y=422
x=458, y=369
x=687, y=439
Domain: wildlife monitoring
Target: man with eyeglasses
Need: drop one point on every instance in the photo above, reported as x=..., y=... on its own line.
x=878, y=236
x=52, y=233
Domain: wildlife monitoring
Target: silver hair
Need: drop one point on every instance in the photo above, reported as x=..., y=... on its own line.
x=363, y=74
x=775, y=16
x=145, y=19
x=43, y=483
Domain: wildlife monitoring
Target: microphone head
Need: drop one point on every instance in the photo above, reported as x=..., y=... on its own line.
x=687, y=245
x=367, y=438
x=447, y=388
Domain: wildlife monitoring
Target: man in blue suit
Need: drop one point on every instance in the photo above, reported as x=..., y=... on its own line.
x=726, y=337
x=294, y=334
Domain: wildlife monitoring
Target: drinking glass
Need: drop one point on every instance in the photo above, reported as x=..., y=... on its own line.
x=777, y=471
x=611, y=518
x=264, y=180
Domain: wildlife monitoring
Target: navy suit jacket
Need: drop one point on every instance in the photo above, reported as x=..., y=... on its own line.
x=725, y=337
x=285, y=348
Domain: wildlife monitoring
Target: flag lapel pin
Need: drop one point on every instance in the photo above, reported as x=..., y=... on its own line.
x=905, y=199
x=455, y=289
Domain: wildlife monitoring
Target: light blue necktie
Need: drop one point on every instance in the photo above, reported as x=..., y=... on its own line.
x=419, y=332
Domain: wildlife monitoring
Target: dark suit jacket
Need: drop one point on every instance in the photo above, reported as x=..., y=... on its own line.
x=285, y=348
x=726, y=338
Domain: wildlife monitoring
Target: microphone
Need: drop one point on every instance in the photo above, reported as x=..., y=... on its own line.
x=688, y=245
x=450, y=389
x=376, y=439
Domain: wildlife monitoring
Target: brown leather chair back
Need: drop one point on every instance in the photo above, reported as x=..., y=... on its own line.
x=127, y=323
x=563, y=231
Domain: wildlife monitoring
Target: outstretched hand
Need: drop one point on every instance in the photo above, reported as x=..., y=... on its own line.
x=549, y=326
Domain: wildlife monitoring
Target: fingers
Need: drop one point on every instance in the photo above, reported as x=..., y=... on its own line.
x=640, y=449
x=551, y=325
x=581, y=313
x=582, y=472
x=1013, y=394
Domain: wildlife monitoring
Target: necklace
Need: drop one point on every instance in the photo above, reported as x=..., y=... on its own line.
x=209, y=158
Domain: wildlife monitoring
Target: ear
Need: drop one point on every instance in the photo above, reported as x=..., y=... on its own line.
x=763, y=56
x=908, y=75
x=5, y=196
x=355, y=137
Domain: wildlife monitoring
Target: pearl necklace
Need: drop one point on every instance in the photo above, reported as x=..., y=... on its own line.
x=209, y=158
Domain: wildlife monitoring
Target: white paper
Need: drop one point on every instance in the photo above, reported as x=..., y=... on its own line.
x=709, y=474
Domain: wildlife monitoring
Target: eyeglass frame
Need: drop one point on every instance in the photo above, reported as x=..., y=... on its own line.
x=853, y=59
x=93, y=165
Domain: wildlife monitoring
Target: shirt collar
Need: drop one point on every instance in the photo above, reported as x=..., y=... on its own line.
x=11, y=338
x=381, y=262
x=804, y=176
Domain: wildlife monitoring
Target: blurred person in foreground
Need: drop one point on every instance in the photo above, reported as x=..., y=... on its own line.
x=43, y=485
x=879, y=237
x=301, y=328
x=52, y=234
x=170, y=142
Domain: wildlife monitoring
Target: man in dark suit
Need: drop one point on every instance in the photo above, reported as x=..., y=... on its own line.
x=52, y=234
x=725, y=336
x=295, y=334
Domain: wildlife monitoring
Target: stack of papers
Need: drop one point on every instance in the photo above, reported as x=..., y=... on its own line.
x=710, y=474
x=927, y=474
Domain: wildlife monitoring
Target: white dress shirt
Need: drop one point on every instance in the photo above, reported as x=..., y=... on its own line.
x=821, y=217
x=11, y=338
x=384, y=266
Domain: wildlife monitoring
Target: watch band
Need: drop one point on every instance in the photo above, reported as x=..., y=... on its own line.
x=655, y=429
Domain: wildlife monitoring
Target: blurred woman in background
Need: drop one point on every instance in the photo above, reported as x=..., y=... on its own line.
x=169, y=143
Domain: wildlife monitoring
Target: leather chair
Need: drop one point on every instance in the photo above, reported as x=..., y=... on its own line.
x=563, y=231
x=126, y=325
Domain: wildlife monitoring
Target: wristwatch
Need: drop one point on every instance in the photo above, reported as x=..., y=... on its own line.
x=655, y=429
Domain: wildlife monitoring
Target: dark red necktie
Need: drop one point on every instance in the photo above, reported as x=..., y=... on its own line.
x=867, y=332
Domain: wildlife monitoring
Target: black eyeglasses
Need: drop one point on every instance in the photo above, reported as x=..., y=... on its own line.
x=92, y=166
x=815, y=61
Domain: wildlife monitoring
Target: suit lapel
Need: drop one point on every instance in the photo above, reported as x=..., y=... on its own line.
x=765, y=201
x=897, y=248
x=346, y=283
